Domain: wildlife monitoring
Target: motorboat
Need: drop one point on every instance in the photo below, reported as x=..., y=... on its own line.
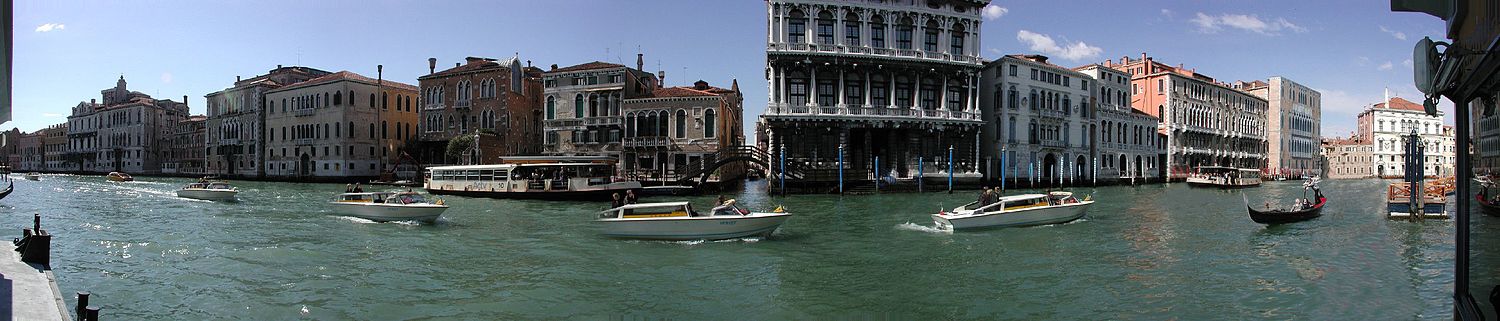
x=533, y=177
x=1305, y=209
x=1015, y=211
x=388, y=206
x=119, y=177
x=33, y=176
x=1224, y=177
x=209, y=191
x=678, y=221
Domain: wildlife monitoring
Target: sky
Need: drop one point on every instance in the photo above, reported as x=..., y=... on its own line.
x=67, y=51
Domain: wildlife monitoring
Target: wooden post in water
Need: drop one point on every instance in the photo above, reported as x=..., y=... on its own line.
x=83, y=302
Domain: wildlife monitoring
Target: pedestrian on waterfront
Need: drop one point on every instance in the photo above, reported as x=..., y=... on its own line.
x=630, y=197
x=615, y=201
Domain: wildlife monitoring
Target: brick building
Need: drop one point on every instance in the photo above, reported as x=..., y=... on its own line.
x=1206, y=122
x=236, y=118
x=499, y=100
x=581, y=113
x=186, y=152
x=677, y=128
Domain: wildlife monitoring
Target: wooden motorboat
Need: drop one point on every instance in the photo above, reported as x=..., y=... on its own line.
x=119, y=177
x=209, y=191
x=33, y=176
x=678, y=221
x=1015, y=211
x=1306, y=209
x=388, y=206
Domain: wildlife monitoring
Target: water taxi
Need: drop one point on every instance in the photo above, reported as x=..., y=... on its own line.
x=208, y=191
x=119, y=177
x=550, y=178
x=388, y=206
x=1224, y=177
x=1431, y=202
x=33, y=176
x=1015, y=211
x=678, y=221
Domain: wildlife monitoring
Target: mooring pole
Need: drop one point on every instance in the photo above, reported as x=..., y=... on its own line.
x=782, y=173
x=950, y=169
x=877, y=173
x=841, y=169
x=919, y=174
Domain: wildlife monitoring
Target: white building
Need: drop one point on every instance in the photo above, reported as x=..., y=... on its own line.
x=1128, y=144
x=236, y=121
x=126, y=133
x=1384, y=125
x=1039, y=116
x=337, y=126
x=1294, y=116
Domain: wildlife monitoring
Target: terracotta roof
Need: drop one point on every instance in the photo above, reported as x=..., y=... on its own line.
x=679, y=92
x=484, y=63
x=588, y=66
x=346, y=75
x=1403, y=104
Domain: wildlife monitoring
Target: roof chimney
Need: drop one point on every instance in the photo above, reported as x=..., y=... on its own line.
x=278, y=66
x=92, y=102
x=1124, y=60
x=700, y=84
x=554, y=67
x=456, y=64
x=661, y=78
x=1109, y=62
x=528, y=63
x=184, y=99
x=1143, y=56
x=640, y=63
x=236, y=78
x=431, y=65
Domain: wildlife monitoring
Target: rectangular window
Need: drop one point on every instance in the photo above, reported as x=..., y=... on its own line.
x=1067, y=81
x=877, y=36
x=1161, y=86
x=825, y=31
x=903, y=37
x=826, y=93
x=1033, y=74
x=903, y=95
x=797, y=91
x=878, y=92
x=854, y=93
x=956, y=44
x=1012, y=70
x=796, y=31
x=851, y=33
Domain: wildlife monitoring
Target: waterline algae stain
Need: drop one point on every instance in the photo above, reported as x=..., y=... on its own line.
x=1148, y=252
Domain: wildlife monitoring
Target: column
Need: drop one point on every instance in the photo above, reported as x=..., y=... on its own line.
x=812, y=86
x=868, y=92
x=841, y=89
x=771, y=24
x=943, y=93
x=771, y=83
x=890, y=100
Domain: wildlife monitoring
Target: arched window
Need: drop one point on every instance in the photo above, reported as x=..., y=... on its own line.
x=372, y=100
x=825, y=28
x=930, y=36
x=551, y=108
x=1014, y=101
x=384, y=100
x=338, y=98
x=1034, y=100
x=904, y=32
x=796, y=27
x=594, y=108
x=578, y=106
x=851, y=30
x=877, y=32
x=1011, y=135
x=956, y=40
x=710, y=120
x=682, y=123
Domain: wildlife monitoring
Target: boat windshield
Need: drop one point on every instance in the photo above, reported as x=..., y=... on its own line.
x=407, y=198
x=219, y=186
x=195, y=185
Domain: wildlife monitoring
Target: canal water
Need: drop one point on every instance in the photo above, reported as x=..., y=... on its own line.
x=1148, y=252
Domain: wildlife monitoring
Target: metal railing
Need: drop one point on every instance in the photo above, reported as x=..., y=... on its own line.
x=865, y=111
x=874, y=51
x=648, y=141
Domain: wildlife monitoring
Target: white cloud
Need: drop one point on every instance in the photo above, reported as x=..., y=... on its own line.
x=992, y=12
x=1399, y=35
x=51, y=115
x=1339, y=109
x=1252, y=23
x=166, y=77
x=1406, y=63
x=50, y=27
x=1362, y=61
x=1385, y=66
x=1166, y=12
x=1071, y=51
x=997, y=52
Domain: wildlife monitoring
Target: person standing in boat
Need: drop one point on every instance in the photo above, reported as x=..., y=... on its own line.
x=348, y=188
x=984, y=196
x=630, y=197
x=357, y=189
x=615, y=201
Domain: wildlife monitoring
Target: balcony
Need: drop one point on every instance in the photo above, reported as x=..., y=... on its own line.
x=433, y=106
x=302, y=141
x=870, y=52
x=564, y=124
x=601, y=121
x=859, y=112
x=649, y=141
x=463, y=104
x=304, y=112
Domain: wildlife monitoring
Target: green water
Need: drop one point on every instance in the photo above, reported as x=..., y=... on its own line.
x=1149, y=252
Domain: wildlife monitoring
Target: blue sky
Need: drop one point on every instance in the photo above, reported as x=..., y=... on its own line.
x=66, y=51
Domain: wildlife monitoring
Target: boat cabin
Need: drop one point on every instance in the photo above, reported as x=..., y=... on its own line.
x=669, y=209
x=520, y=177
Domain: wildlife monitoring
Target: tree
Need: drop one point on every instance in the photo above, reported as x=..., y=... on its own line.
x=459, y=145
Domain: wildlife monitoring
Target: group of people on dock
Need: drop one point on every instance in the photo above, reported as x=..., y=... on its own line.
x=617, y=201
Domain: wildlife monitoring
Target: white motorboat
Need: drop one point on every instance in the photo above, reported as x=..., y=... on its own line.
x=209, y=191
x=33, y=176
x=388, y=206
x=678, y=221
x=119, y=177
x=1015, y=211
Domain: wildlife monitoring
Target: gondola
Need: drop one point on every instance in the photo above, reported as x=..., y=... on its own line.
x=9, y=187
x=1273, y=216
x=1486, y=202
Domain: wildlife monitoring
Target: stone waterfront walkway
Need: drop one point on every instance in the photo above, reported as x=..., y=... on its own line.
x=32, y=292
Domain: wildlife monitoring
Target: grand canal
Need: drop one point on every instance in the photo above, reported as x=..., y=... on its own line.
x=1148, y=252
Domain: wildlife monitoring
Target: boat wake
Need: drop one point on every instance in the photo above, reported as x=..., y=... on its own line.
x=909, y=226
x=356, y=220
x=751, y=239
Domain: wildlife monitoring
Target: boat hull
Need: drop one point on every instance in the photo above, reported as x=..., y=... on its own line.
x=694, y=228
x=600, y=195
x=1429, y=210
x=208, y=194
x=382, y=212
x=1196, y=182
x=1270, y=217
x=1487, y=207
x=1026, y=217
